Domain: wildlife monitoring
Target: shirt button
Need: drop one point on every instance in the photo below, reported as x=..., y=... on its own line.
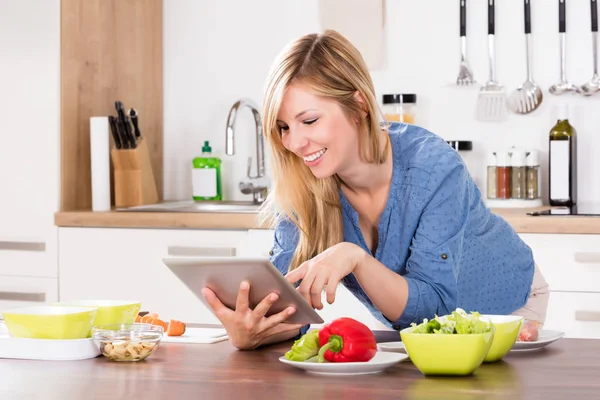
x=444, y=256
x=396, y=327
x=270, y=252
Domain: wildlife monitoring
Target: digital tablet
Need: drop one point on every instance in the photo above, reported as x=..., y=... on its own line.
x=224, y=275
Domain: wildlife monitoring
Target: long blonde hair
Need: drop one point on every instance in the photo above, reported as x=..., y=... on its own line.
x=333, y=68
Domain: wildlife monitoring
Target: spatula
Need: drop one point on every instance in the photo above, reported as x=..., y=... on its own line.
x=491, y=103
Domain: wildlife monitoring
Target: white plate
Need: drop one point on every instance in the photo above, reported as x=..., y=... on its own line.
x=198, y=335
x=394, y=347
x=45, y=349
x=377, y=364
x=545, y=337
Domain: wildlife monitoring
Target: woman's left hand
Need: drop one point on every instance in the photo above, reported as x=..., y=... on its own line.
x=326, y=269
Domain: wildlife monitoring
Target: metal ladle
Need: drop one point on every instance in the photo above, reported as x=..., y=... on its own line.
x=593, y=86
x=563, y=86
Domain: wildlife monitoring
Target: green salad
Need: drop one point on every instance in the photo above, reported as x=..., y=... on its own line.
x=459, y=322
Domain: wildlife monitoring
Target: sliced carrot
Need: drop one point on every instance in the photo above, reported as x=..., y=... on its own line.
x=146, y=318
x=175, y=328
x=159, y=322
x=138, y=318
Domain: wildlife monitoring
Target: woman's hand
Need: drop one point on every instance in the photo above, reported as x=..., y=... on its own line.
x=247, y=328
x=326, y=269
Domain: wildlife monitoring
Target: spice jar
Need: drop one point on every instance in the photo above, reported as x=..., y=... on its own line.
x=519, y=174
x=533, y=176
x=503, y=170
x=492, y=177
x=401, y=107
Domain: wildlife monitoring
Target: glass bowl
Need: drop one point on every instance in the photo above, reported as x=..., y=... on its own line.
x=127, y=342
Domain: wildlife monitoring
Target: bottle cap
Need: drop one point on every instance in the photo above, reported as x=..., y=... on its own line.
x=533, y=159
x=518, y=157
x=562, y=111
x=399, y=98
x=206, y=148
x=502, y=159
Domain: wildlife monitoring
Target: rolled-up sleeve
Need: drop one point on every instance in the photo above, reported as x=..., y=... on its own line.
x=285, y=240
x=434, y=261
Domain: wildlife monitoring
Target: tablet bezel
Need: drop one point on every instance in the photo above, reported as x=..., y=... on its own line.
x=224, y=275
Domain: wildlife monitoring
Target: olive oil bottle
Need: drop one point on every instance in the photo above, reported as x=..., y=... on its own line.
x=563, y=161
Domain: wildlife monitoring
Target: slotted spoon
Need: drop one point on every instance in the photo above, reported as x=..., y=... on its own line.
x=528, y=96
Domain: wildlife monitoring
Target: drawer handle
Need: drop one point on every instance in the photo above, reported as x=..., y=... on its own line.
x=587, y=316
x=20, y=296
x=587, y=257
x=23, y=246
x=182, y=251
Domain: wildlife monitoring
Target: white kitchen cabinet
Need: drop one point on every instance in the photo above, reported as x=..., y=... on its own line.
x=29, y=154
x=18, y=291
x=568, y=262
x=576, y=314
x=126, y=264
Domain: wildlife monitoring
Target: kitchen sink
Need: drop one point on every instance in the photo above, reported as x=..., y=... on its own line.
x=197, y=207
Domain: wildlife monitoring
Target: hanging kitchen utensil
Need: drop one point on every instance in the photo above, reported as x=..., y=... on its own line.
x=465, y=75
x=563, y=86
x=593, y=86
x=528, y=96
x=491, y=103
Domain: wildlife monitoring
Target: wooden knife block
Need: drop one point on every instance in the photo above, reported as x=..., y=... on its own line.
x=133, y=176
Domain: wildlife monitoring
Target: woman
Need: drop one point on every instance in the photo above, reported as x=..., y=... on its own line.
x=392, y=213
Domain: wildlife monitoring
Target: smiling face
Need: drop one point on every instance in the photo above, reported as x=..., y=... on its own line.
x=317, y=130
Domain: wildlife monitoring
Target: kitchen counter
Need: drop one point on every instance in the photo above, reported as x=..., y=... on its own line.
x=568, y=368
x=517, y=218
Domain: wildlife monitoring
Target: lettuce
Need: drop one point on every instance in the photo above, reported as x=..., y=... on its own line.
x=458, y=322
x=305, y=348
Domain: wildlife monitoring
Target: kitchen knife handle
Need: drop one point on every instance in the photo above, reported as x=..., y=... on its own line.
x=129, y=132
x=115, y=131
x=562, y=23
x=527, y=16
x=491, y=17
x=463, y=17
x=594, y=10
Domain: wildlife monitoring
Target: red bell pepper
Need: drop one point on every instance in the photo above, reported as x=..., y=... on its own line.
x=346, y=340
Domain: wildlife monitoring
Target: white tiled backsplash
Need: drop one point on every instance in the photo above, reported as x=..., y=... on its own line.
x=216, y=52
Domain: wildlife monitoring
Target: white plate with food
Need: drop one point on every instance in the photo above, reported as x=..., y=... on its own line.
x=377, y=364
x=394, y=347
x=544, y=338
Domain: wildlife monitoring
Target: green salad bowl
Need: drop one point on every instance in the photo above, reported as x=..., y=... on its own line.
x=446, y=354
x=507, y=330
x=50, y=322
x=110, y=312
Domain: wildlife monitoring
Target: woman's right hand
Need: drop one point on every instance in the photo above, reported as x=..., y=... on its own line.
x=247, y=328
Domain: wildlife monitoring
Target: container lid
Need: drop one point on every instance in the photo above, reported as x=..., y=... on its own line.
x=399, y=98
x=206, y=148
x=533, y=159
x=502, y=159
x=518, y=157
x=460, y=145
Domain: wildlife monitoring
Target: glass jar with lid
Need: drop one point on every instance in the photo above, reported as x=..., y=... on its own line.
x=400, y=107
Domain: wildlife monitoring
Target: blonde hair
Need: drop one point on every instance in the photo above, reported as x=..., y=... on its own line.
x=333, y=68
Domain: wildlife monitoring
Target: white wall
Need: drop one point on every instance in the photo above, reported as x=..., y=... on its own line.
x=218, y=51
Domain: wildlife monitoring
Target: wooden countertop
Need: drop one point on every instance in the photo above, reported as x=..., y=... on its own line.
x=566, y=369
x=517, y=218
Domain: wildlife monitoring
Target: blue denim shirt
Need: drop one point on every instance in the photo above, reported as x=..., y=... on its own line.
x=437, y=233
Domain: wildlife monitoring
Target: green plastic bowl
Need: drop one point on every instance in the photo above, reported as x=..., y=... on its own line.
x=110, y=312
x=505, y=336
x=50, y=322
x=446, y=354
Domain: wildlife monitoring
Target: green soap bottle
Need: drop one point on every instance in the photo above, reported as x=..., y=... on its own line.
x=206, y=176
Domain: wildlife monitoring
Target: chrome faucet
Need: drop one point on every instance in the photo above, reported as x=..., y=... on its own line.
x=256, y=186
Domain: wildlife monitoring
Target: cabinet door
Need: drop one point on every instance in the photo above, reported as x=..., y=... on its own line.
x=568, y=262
x=18, y=291
x=126, y=264
x=576, y=314
x=29, y=154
